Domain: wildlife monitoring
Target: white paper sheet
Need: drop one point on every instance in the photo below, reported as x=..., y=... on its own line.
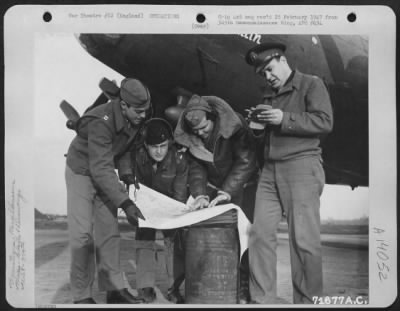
x=162, y=212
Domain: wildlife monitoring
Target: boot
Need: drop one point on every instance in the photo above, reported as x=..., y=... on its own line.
x=122, y=296
x=175, y=296
x=147, y=294
x=244, y=290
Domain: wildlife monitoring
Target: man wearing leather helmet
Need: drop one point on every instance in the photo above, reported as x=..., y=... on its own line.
x=222, y=159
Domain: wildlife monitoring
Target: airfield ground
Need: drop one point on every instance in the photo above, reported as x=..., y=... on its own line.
x=345, y=264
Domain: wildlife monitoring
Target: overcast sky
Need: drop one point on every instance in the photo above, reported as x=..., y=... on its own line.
x=64, y=70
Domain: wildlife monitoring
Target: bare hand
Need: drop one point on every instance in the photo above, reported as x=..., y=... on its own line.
x=200, y=202
x=220, y=198
x=273, y=116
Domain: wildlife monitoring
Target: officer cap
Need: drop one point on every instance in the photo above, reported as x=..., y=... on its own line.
x=156, y=131
x=135, y=93
x=260, y=55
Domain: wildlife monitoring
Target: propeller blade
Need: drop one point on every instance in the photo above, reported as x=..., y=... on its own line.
x=69, y=111
x=109, y=88
x=109, y=91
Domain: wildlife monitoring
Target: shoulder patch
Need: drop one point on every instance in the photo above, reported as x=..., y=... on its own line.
x=105, y=118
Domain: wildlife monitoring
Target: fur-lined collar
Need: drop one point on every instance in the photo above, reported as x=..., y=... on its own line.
x=229, y=123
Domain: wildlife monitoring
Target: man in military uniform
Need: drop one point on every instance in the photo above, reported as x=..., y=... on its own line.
x=160, y=166
x=94, y=193
x=222, y=158
x=295, y=112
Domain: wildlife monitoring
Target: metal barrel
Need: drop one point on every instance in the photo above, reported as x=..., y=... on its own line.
x=212, y=261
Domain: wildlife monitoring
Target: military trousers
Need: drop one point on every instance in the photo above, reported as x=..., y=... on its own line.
x=292, y=187
x=94, y=238
x=147, y=256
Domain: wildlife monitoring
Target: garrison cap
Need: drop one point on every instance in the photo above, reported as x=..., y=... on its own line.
x=135, y=93
x=196, y=110
x=260, y=55
x=156, y=131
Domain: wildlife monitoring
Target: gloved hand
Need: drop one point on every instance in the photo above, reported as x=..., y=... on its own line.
x=200, y=202
x=132, y=212
x=222, y=197
x=128, y=179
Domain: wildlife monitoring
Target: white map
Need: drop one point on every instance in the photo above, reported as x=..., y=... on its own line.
x=162, y=212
